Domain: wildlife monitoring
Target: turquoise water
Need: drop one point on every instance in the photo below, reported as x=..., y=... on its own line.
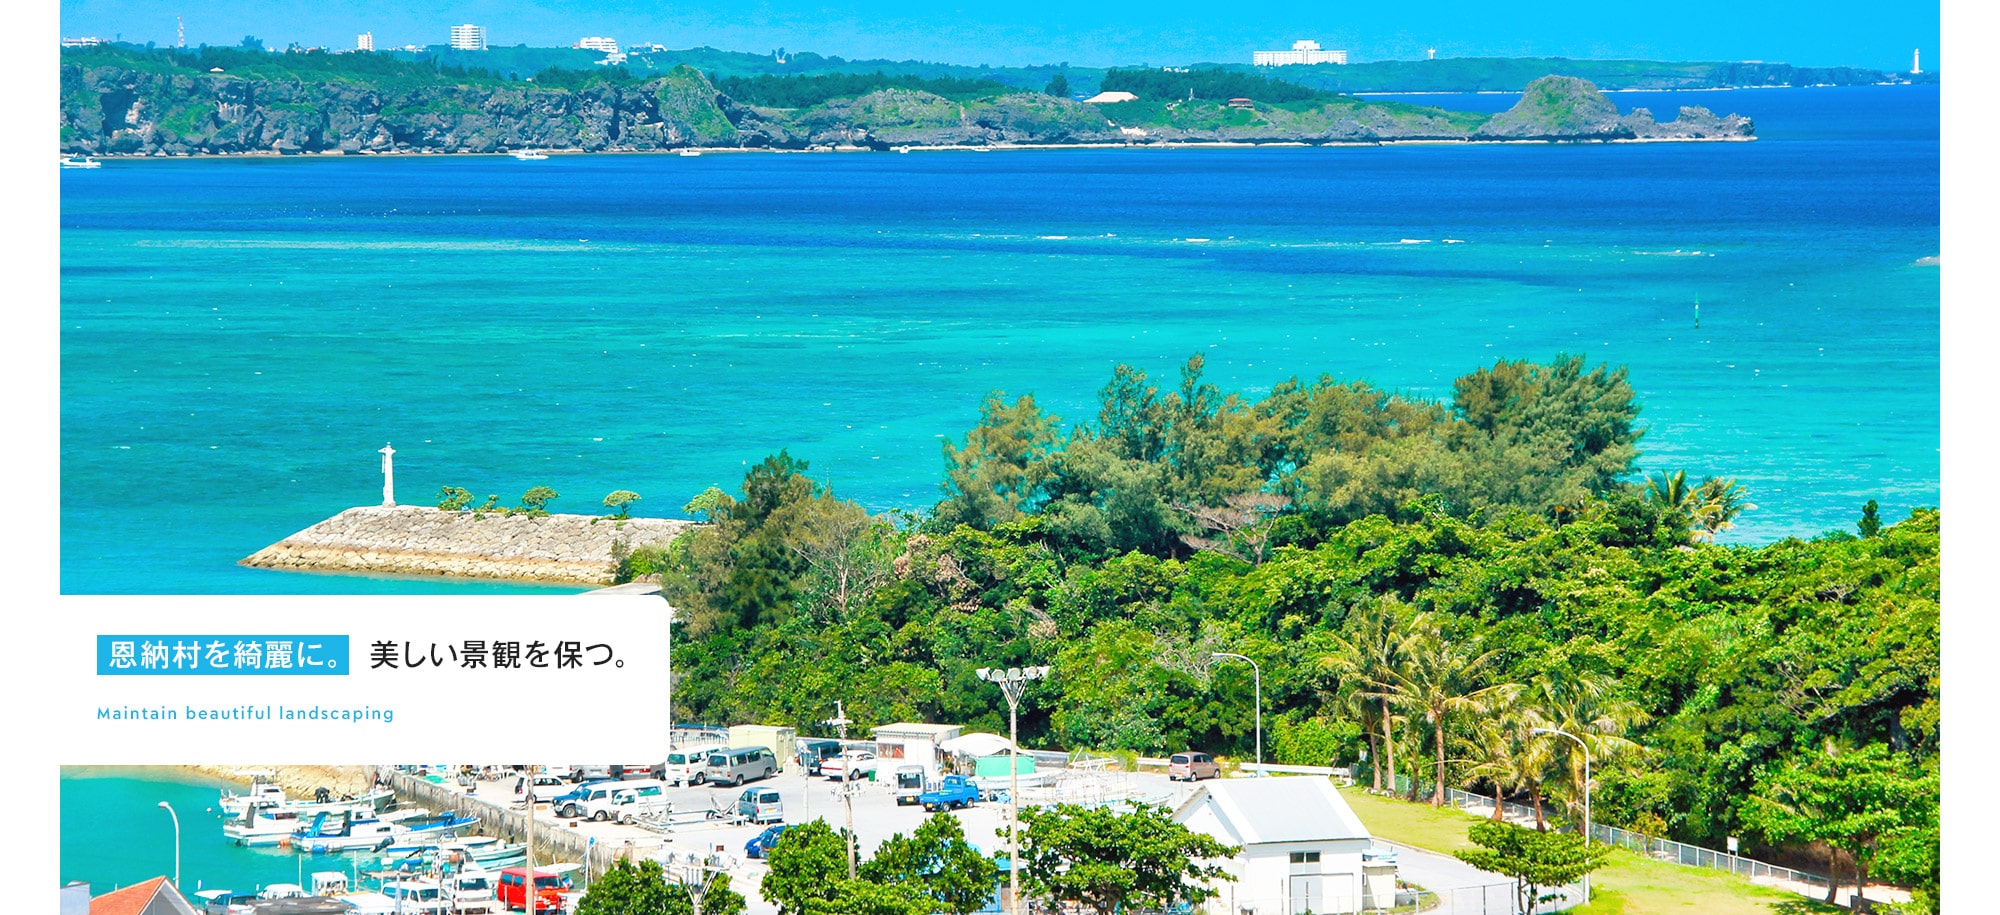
x=239, y=337
x=114, y=834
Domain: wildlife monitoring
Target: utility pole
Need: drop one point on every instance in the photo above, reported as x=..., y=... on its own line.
x=840, y=722
x=1011, y=680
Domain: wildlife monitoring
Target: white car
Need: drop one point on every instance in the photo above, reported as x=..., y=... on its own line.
x=850, y=764
x=547, y=787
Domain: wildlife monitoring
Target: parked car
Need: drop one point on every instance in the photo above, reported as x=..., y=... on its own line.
x=760, y=845
x=814, y=749
x=547, y=788
x=760, y=805
x=549, y=889
x=909, y=784
x=1192, y=766
x=612, y=800
x=734, y=767
x=581, y=774
x=684, y=766
x=848, y=766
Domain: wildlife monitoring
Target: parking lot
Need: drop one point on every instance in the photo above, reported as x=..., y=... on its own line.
x=876, y=815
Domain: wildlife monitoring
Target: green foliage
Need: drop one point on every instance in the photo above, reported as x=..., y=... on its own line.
x=1058, y=86
x=1108, y=861
x=1536, y=860
x=453, y=498
x=620, y=502
x=642, y=889
x=1870, y=524
x=535, y=501
x=771, y=91
x=1851, y=801
x=937, y=862
x=1212, y=83
x=807, y=868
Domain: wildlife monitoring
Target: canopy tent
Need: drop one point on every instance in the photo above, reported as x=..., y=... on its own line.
x=977, y=745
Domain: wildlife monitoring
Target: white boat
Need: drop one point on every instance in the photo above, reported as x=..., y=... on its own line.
x=80, y=162
x=530, y=155
x=352, y=833
x=690, y=153
x=265, y=797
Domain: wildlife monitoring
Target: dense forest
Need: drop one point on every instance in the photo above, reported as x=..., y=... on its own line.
x=1422, y=585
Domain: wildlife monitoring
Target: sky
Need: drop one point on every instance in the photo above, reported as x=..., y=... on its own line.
x=1880, y=34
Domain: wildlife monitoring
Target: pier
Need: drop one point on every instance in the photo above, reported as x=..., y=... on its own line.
x=553, y=841
x=415, y=540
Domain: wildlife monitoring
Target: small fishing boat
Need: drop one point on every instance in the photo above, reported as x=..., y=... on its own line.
x=530, y=155
x=80, y=162
x=350, y=833
x=690, y=153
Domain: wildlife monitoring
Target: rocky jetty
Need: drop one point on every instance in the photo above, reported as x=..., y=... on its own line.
x=412, y=540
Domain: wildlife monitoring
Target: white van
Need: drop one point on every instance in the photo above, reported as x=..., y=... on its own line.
x=618, y=800
x=685, y=766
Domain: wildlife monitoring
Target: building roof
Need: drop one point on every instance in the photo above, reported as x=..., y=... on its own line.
x=1258, y=811
x=156, y=896
x=912, y=729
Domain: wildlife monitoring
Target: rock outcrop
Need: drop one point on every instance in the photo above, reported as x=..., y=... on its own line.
x=412, y=540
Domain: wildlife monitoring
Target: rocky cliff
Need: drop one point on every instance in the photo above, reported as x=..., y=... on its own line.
x=1568, y=108
x=411, y=540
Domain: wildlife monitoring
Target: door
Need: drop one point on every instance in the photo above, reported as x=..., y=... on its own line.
x=1308, y=894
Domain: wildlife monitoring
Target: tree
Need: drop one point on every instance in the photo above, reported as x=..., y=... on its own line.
x=998, y=475
x=1870, y=524
x=1536, y=860
x=1850, y=801
x=1442, y=678
x=535, y=501
x=807, y=867
x=1058, y=86
x=1109, y=861
x=1583, y=703
x=1367, y=655
x=867, y=897
x=453, y=498
x=1717, y=502
x=938, y=862
x=1239, y=525
x=621, y=501
x=642, y=889
x=712, y=504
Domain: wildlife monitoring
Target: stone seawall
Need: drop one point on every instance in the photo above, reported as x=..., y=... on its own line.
x=414, y=540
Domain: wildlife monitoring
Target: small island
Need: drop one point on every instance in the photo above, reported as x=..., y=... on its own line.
x=217, y=101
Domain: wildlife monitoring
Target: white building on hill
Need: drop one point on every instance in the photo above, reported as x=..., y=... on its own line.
x=1303, y=849
x=1302, y=52
x=597, y=43
x=468, y=37
x=364, y=41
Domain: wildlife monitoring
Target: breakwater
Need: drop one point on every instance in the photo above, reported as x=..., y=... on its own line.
x=414, y=540
x=553, y=842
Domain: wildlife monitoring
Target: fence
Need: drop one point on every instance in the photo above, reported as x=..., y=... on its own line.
x=1656, y=848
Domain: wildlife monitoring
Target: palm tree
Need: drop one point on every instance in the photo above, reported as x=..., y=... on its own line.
x=1717, y=502
x=1670, y=490
x=1510, y=755
x=1583, y=703
x=1442, y=679
x=1366, y=656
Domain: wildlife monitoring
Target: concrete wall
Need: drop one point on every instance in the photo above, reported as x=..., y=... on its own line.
x=413, y=540
x=553, y=842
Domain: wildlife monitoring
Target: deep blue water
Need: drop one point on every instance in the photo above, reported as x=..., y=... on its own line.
x=240, y=336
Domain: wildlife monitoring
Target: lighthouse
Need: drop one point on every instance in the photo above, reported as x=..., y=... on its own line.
x=1916, y=61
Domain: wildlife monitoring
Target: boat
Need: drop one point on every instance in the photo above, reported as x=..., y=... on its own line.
x=349, y=833
x=80, y=162
x=530, y=155
x=265, y=796
x=272, y=825
x=690, y=153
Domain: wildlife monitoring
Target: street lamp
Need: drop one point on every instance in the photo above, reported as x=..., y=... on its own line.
x=1011, y=680
x=1257, y=698
x=169, y=808
x=1586, y=793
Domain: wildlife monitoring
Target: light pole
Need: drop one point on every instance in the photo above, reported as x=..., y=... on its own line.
x=1257, y=698
x=1586, y=793
x=169, y=808
x=1011, y=680
x=840, y=722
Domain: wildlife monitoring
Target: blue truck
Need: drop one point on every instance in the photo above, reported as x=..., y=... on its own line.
x=955, y=791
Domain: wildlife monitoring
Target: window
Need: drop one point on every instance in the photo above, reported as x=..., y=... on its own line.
x=1305, y=857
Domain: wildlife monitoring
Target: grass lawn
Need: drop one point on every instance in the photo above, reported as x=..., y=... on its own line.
x=1629, y=884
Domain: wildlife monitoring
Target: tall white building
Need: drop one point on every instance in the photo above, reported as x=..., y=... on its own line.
x=364, y=41
x=597, y=43
x=1302, y=52
x=468, y=37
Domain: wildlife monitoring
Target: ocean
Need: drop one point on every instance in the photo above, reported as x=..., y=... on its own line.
x=239, y=337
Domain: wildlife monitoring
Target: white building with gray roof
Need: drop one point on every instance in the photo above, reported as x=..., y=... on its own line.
x=1303, y=849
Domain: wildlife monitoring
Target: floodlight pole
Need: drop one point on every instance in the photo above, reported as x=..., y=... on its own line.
x=1257, y=699
x=1011, y=681
x=169, y=808
x=1586, y=794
